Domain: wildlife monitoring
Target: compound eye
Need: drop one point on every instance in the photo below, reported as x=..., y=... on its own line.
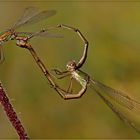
x=73, y=64
x=67, y=66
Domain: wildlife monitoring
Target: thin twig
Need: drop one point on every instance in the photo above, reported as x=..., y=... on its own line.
x=11, y=114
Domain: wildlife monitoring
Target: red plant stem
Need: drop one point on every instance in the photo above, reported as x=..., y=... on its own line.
x=11, y=114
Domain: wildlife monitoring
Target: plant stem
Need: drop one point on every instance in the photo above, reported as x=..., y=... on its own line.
x=11, y=114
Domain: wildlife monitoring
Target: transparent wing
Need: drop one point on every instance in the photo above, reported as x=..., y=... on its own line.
x=32, y=15
x=118, y=113
x=1, y=54
x=107, y=93
x=121, y=104
x=27, y=14
x=118, y=97
x=48, y=34
x=41, y=34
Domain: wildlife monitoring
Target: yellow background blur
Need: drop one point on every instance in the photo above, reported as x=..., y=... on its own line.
x=113, y=32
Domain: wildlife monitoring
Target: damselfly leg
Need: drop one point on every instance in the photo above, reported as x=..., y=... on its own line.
x=72, y=71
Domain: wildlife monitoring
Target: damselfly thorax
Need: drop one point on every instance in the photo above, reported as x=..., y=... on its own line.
x=6, y=36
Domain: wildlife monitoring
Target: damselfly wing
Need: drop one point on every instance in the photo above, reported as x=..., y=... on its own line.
x=31, y=15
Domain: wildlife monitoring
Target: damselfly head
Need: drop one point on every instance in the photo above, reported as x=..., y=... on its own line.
x=71, y=65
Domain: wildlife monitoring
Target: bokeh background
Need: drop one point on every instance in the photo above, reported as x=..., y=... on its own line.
x=113, y=32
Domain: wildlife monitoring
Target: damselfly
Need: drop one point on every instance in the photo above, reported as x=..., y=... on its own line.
x=32, y=15
x=108, y=94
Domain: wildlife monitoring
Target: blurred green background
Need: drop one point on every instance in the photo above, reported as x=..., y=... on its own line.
x=113, y=32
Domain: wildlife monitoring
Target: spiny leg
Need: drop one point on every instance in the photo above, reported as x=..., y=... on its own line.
x=68, y=94
x=62, y=74
x=59, y=72
x=69, y=90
